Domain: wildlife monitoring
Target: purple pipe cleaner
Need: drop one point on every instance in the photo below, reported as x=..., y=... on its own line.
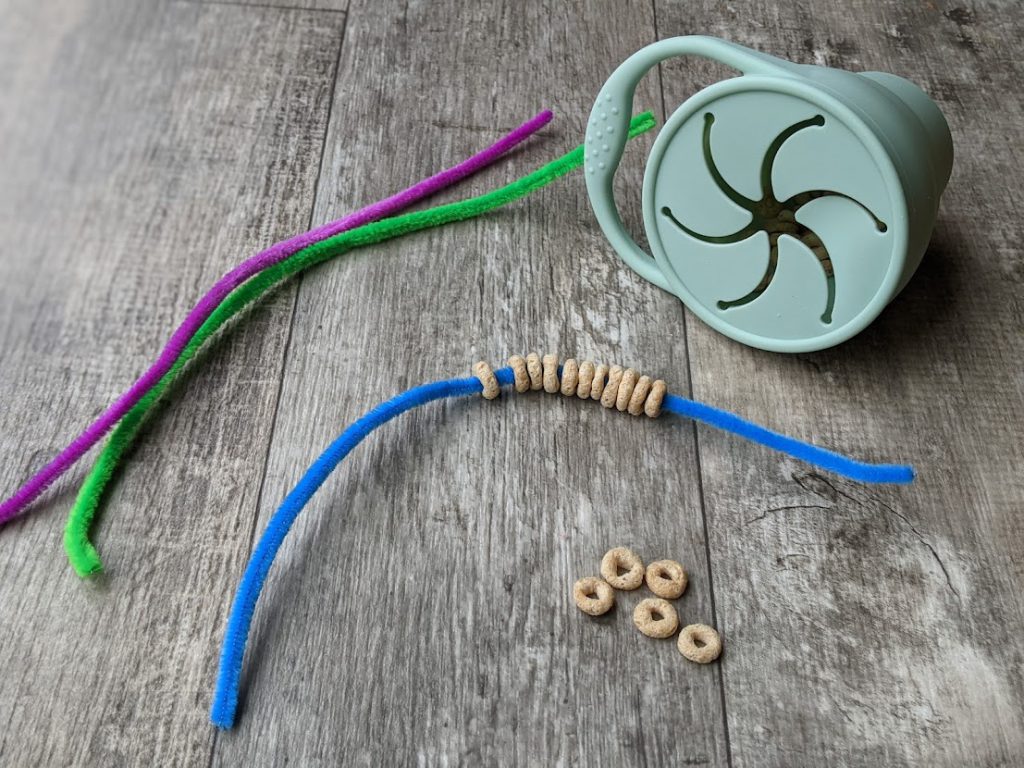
x=276, y=253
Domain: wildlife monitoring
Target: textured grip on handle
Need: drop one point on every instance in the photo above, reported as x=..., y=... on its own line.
x=607, y=133
x=608, y=127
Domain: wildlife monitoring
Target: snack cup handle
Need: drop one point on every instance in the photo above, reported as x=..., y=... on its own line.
x=608, y=129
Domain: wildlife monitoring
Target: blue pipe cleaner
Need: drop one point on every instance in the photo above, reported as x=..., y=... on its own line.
x=225, y=698
x=833, y=462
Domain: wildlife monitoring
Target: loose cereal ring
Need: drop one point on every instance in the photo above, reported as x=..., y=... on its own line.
x=655, y=617
x=700, y=643
x=593, y=596
x=629, y=562
x=667, y=578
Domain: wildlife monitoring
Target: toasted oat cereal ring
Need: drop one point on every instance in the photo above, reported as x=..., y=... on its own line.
x=551, y=382
x=655, y=617
x=593, y=596
x=667, y=578
x=487, y=380
x=520, y=372
x=700, y=643
x=535, y=371
x=627, y=561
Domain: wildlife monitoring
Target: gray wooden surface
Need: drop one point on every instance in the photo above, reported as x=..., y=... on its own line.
x=420, y=611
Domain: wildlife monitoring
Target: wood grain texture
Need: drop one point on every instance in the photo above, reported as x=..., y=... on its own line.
x=421, y=610
x=422, y=606
x=298, y=5
x=876, y=627
x=152, y=146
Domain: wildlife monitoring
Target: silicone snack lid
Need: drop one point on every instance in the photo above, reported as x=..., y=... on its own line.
x=787, y=206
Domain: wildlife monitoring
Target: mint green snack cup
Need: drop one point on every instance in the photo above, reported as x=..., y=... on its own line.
x=787, y=206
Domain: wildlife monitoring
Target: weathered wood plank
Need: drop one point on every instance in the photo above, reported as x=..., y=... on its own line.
x=299, y=5
x=144, y=149
x=877, y=627
x=421, y=610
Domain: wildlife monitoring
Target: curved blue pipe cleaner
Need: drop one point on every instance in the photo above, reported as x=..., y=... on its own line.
x=225, y=699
